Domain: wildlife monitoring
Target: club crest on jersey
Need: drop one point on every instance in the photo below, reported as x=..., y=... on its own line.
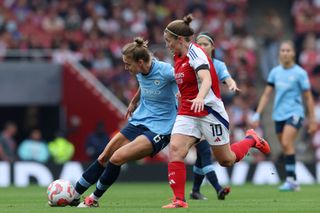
x=156, y=82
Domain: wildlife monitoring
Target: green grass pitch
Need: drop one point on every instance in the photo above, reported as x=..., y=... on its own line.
x=149, y=197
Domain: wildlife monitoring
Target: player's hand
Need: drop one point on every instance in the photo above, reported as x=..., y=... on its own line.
x=312, y=127
x=131, y=108
x=197, y=104
x=232, y=85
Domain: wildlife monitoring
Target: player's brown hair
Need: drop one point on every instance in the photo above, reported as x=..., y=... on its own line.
x=290, y=44
x=138, y=49
x=181, y=27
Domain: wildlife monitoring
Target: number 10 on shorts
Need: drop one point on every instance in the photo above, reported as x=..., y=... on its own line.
x=216, y=129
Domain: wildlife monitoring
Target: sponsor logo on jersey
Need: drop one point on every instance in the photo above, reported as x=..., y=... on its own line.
x=150, y=92
x=156, y=82
x=179, y=77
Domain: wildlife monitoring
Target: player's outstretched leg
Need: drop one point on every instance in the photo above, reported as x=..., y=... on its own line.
x=108, y=177
x=260, y=143
x=88, y=178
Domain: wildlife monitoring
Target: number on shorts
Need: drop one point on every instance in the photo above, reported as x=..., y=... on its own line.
x=157, y=138
x=216, y=129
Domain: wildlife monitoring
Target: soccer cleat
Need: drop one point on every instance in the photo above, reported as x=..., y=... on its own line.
x=289, y=186
x=261, y=144
x=223, y=193
x=75, y=202
x=197, y=196
x=50, y=204
x=88, y=202
x=176, y=204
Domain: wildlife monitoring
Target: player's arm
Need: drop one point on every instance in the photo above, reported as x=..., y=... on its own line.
x=225, y=77
x=205, y=78
x=232, y=84
x=264, y=100
x=133, y=104
x=312, y=127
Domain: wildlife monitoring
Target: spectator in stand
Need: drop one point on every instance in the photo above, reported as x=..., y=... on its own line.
x=61, y=149
x=270, y=41
x=7, y=142
x=97, y=141
x=310, y=56
x=34, y=148
x=52, y=22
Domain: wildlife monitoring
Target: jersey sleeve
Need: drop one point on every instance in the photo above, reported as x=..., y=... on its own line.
x=271, y=78
x=198, y=59
x=304, y=81
x=222, y=70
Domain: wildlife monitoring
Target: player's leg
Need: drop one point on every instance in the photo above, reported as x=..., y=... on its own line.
x=185, y=133
x=137, y=149
x=198, y=175
x=215, y=128
x=178, y=150
x=287, y=140
x=92, y=174
x=208, y=170
x=148, y=144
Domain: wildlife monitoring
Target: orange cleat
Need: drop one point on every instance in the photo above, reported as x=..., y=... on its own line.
x=261, y=144
x=176, y=204
x=89, y=202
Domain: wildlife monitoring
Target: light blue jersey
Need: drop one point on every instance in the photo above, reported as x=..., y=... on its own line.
x=221, y=69
x=158, y=107
x=289, y=84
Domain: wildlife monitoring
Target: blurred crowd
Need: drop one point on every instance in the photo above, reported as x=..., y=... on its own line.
x=58, y=151
x=92, y=33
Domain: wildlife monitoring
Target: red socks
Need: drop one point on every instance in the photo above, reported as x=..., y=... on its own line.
x=241, y=148
x=177, y=178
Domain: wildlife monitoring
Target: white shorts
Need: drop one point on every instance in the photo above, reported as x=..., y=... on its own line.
x=214, y=130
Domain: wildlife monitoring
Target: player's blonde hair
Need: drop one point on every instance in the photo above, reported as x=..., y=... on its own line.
x=138, y=49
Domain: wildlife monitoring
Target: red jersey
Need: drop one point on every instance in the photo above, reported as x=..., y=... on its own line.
x=186, y=68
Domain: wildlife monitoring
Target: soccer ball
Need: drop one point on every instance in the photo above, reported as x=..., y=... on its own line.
x=60, y=193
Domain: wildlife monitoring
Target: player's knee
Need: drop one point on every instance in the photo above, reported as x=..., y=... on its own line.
x=287, y=146
x=118, y=159
x=226, y=163
x=102, y=160
x=177, y=153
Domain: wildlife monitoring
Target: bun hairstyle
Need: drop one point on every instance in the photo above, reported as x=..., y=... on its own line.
x=138, y=49
x=180, y=27
x=140, y=42
x=188, y=19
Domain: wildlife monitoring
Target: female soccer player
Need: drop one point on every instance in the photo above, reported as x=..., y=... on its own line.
x=203, y=166
x=148, y=130
x=201, y=111
x=290, y=82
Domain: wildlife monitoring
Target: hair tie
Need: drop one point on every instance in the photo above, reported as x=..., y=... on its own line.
x=208, y=37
